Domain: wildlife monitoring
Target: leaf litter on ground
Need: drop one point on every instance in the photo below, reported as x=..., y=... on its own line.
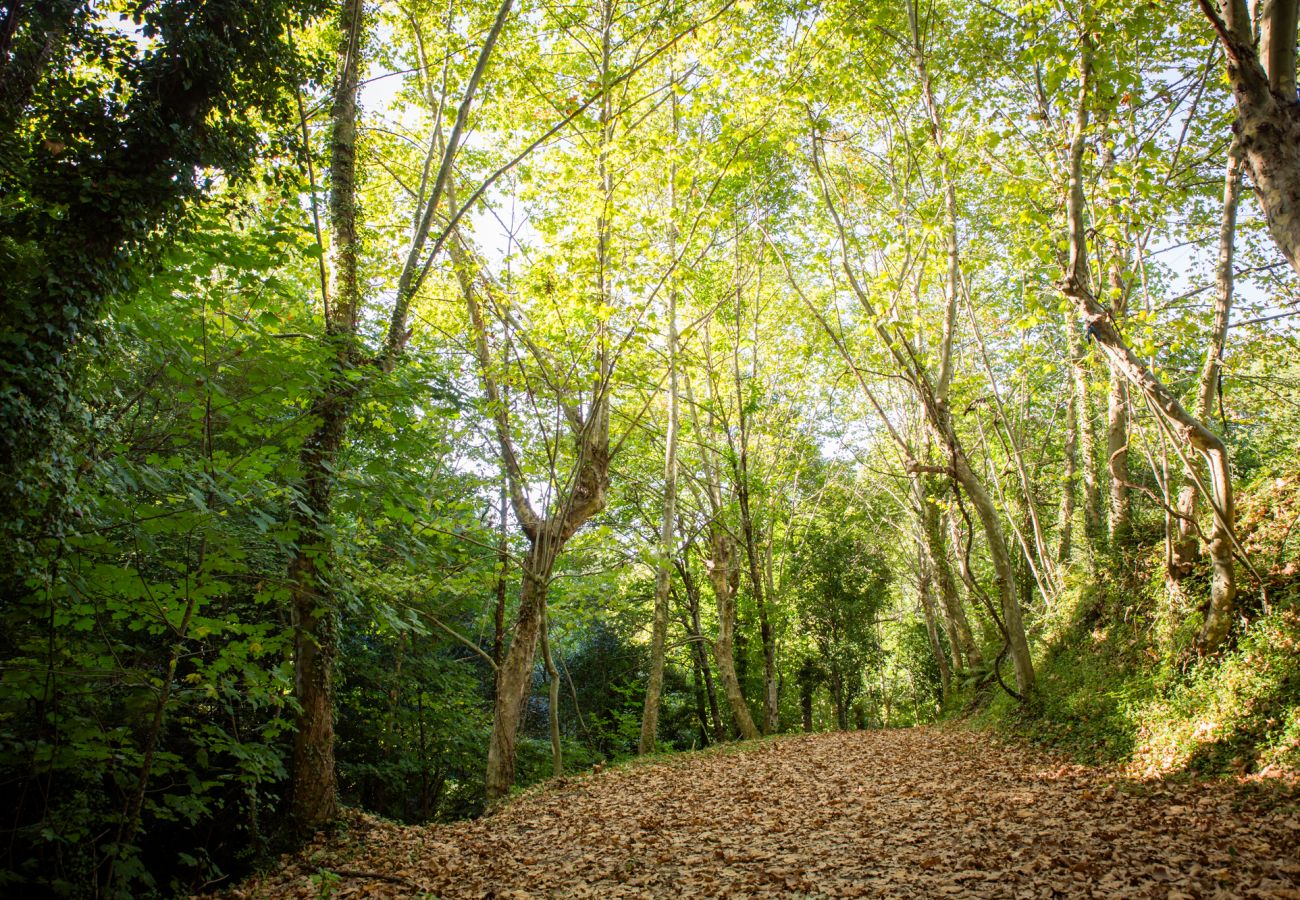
x=921, y=812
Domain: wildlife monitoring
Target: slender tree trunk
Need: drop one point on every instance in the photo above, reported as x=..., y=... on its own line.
x=1186, y=546
x=839, y=701
x=1120, y=516
x=503, y=570
x=313, y=790
x=807, y=688
x=724, y=576
x=742, y=474
x=701, y=653
x=552, y=699
x=697, y=682
x=664, y=572
x=1087, y=439
x=924, y=593
x=1069, y=477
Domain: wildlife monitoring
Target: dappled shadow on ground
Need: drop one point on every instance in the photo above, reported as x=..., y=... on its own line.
x=905, y=813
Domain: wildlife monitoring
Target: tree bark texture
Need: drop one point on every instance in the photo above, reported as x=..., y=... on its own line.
x=1268, y=117
x=313, y=790
x=724, y=576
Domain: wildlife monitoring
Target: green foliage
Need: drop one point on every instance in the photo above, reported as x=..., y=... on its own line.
x=843, y=582
x=1116, y=687
x=164, y=354
x=105, y=137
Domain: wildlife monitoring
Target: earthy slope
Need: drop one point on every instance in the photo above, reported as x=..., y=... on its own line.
x=907, y=813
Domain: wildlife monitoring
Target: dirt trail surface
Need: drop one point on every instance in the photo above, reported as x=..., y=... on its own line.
x=906, y=813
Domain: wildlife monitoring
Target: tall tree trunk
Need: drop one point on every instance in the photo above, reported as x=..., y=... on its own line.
x=1120, y=521
x=664, y=572
x=742, y=475
x=313, y=790
x=1069, y=476
x=588, y=482
x=1190, y=436
x=1268, y=116
x=1187, y=547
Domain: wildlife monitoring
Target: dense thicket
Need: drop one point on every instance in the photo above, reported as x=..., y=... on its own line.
x=403, y=402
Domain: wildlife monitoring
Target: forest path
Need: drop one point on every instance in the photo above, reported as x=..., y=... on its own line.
x=924, y=812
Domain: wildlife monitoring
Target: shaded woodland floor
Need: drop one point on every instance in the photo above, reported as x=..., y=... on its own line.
x=921, y=812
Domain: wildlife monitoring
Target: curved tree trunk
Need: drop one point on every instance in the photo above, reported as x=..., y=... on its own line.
x=1184, y=429
x=961, y=642
x=1012, y=621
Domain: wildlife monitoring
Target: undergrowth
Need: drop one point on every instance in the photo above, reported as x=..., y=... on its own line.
x=1120, y=683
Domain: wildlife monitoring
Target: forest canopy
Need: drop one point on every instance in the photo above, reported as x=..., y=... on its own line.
x=404, y=401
